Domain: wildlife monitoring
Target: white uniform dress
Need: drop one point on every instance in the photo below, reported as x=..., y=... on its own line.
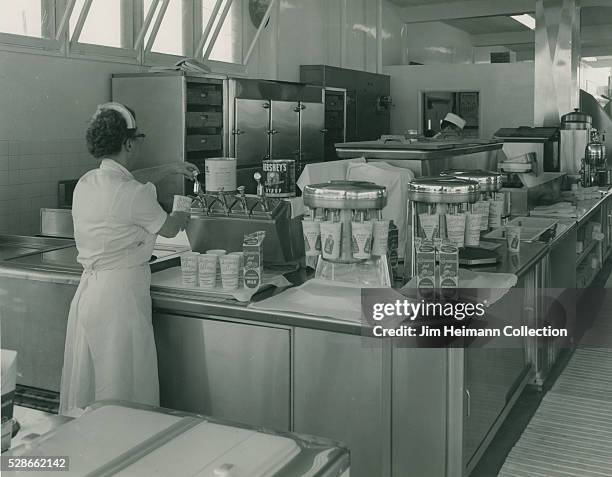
x=110, y=349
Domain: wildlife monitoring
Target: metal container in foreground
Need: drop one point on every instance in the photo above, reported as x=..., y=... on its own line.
x=487, y=180
x=220, y=174
x=279, y=176
x=345, y=195
x=443, y=190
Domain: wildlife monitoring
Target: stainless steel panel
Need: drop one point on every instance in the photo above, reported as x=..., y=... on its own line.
x=557, y=43
x=251, y=126
x=34, y=317
x=220, y=369
x=312, y=141
x=419, y=411
x=338, y=394
x=492, y=373
x=159, y=106
x=56, y=223
x=285, y=130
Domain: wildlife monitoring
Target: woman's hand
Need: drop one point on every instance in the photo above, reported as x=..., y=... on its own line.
x=186, y=169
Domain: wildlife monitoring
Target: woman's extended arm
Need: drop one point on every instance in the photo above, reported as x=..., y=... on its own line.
x=157, y=173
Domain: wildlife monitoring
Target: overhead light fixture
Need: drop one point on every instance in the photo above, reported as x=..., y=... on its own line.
x=525, y=19
x=590, y=59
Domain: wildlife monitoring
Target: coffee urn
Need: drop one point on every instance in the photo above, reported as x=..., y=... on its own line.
x=594, y=167
x=575, y=130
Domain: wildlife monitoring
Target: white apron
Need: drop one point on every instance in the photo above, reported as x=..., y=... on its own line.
x=110, y=349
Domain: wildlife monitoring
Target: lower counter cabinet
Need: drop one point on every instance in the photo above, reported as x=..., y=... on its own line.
x=223, y=369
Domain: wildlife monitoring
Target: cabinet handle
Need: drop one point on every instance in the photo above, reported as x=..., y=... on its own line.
x=237, y=132
x=324, y=130
x=266, y=105
x=272, y=132
x=203, y=95
x=468, y=402
x=203, y=117
x=203, y=141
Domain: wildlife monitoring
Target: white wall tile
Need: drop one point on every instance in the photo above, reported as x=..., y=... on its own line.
x=4, y=179
x=14, y=148
x=4, y=147
x=4, y=163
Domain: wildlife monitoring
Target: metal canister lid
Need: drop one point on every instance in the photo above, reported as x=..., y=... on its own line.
x=345, y=195
x=489, y=181
x=576, y=120
x=449, y=190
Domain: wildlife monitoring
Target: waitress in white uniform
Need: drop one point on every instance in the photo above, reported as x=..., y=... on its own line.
x=110, y=350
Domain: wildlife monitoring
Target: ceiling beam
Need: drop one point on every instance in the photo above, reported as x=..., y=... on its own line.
x=594, y=3
x=505, y=38
x=465, y=9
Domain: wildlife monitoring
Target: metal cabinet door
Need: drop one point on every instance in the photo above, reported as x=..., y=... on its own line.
x=312, y=118
x=494, y=369
x=251, y=126
x=338, y=395
x=285, y=130
x=219, y=369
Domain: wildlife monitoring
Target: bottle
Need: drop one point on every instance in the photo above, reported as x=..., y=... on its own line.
x=392, y=246
x=429, y=132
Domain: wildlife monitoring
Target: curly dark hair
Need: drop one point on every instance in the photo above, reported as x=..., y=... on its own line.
x=107, y=133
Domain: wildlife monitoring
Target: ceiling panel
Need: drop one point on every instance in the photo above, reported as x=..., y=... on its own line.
x=484, y=25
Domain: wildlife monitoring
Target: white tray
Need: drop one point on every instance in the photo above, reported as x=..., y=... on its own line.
x=531, y=228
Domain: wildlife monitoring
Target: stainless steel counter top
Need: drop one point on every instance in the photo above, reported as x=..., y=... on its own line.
x=516, y=263
x=395, y=150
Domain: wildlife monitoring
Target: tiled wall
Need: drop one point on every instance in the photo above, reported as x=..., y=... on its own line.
x=29, y=172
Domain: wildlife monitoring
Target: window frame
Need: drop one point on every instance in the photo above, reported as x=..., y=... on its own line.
x=130, y=20
x=135, y=24
x=48, y=43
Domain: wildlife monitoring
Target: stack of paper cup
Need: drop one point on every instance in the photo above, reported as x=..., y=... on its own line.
x=240, y=267
x=230, y=264
x=482, y=207
x=208, y=264
x=380, y=237
x=189, y=268
x=472, y=229
x=218, y=253
x=455, y=228
x=331, y=238
x=312, y=237
x=362, y=239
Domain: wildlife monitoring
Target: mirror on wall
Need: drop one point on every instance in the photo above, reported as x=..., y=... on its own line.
x=436, y=104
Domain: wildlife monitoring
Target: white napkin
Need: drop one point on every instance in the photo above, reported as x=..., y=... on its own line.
x=172, y=278
x=326, y=171
x=396, y=180
x=319, y=298
x=488, y=286
x=180, y=239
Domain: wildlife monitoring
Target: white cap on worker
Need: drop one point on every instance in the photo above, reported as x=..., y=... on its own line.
x=456, y=120
x=121, y=109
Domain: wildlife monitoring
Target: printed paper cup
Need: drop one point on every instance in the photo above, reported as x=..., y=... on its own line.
x=181, y=204
x=455, y=228
x=331, y=237
x=207, y=270
x=513, y=236
x=362, y=239
x=472, y=229
x=380, y=234
x=229, y=264
x=312, y=237
x=189, y=268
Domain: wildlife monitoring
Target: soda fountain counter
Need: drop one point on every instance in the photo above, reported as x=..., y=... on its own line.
x=427, y=158
x=400, y=411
